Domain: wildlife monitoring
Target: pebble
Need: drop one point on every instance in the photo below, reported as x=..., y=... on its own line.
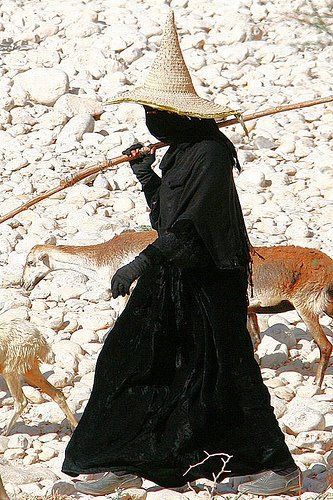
x=279, y=406
x=298, y=229
x=3, y=443
x=123, y=204
x=316, y=440
x=272, y=353
x=43, y=85
x=303, y=421
x=75, y=128
x=47, y=454
x=133, y=494
x=16, y=164
x=311, y=458
x=285, y=392
x=55, y=120
x=18, y=441
x=13, y=454
x=60, y=378
x=251, y=176
x=264, y=143
x=71, y=105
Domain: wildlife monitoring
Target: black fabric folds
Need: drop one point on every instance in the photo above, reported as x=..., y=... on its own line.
x=182, y=247
x=177, y=376
x=198, y=184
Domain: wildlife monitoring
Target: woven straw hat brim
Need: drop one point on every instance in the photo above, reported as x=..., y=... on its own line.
x=169, y=86
x=182, y=103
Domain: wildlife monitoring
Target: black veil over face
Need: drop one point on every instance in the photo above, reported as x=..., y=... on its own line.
x=173, y=129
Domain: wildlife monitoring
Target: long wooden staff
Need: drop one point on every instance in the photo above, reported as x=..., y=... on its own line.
x=87, y=172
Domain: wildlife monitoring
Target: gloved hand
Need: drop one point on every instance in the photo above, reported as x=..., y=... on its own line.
x=141, y=166
x=122, y=280
x=126, y=275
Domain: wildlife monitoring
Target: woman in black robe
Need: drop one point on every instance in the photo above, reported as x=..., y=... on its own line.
x=177, y=377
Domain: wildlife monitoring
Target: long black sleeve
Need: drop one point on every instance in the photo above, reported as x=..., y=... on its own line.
x=148, y=179
x=183, y=248
x=150, y=187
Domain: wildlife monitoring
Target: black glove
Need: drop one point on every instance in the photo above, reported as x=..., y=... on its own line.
x=126, y=275
x=141, y=165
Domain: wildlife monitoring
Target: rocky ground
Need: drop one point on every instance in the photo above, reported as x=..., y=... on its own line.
x=59, y=64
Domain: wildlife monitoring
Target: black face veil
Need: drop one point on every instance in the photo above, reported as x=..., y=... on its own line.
x=173, y=129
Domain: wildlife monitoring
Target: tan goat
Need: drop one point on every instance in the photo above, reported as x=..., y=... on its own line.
x=22, y=348
x=285, y=278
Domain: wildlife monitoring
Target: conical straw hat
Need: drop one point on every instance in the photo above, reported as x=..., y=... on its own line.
x=168, y=84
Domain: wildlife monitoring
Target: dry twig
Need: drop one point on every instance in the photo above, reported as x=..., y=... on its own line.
x=217, y=476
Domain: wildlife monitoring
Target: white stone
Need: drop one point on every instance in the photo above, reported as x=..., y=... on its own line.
x=61, y=378
x=86, y=366
x=18, y=441
x=46, y=454
x=3, y=443
x=16, y=164
x=133, y=494
x=30, y=458
x=285, y=392
x=264, y=143
x=298, y=229
x=292, y=378
x=279, y=179
x=71, y=105
x=13, y=453
x=123, y=205
x=315, y=440
x=279, y=406
x=281, y=333
x=43, y=85
x=67, y=346
x=251, y=176
x=33, y=394
x=52, y=119
x=66, y=360
x=311, y=458
x=102, y=182
x=272, y=353
x=287, y=146
x=76, y=127
x=308, y=391
x=235, y=53
x=303, y=421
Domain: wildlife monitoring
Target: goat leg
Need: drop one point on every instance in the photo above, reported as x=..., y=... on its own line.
x=253, y=328
x=35, y=378
x=20, y=401
x=318, y=334
x=3, y=494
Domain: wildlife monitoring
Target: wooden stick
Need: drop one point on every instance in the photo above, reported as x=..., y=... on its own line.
x=66, y=183
x=274, y=111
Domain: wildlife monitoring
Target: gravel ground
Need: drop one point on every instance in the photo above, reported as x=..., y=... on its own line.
x=59, y=64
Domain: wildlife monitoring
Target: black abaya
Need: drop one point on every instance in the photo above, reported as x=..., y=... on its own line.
x=176, y=376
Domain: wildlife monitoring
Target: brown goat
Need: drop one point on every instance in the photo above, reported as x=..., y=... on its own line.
x=284, y=277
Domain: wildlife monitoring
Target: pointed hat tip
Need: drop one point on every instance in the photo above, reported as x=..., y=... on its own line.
x=171, y=16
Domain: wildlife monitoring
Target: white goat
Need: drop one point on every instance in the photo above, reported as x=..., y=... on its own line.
x=22, y=348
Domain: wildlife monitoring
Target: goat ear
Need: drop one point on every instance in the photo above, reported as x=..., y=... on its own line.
x=45, y=259
x=51, y=240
